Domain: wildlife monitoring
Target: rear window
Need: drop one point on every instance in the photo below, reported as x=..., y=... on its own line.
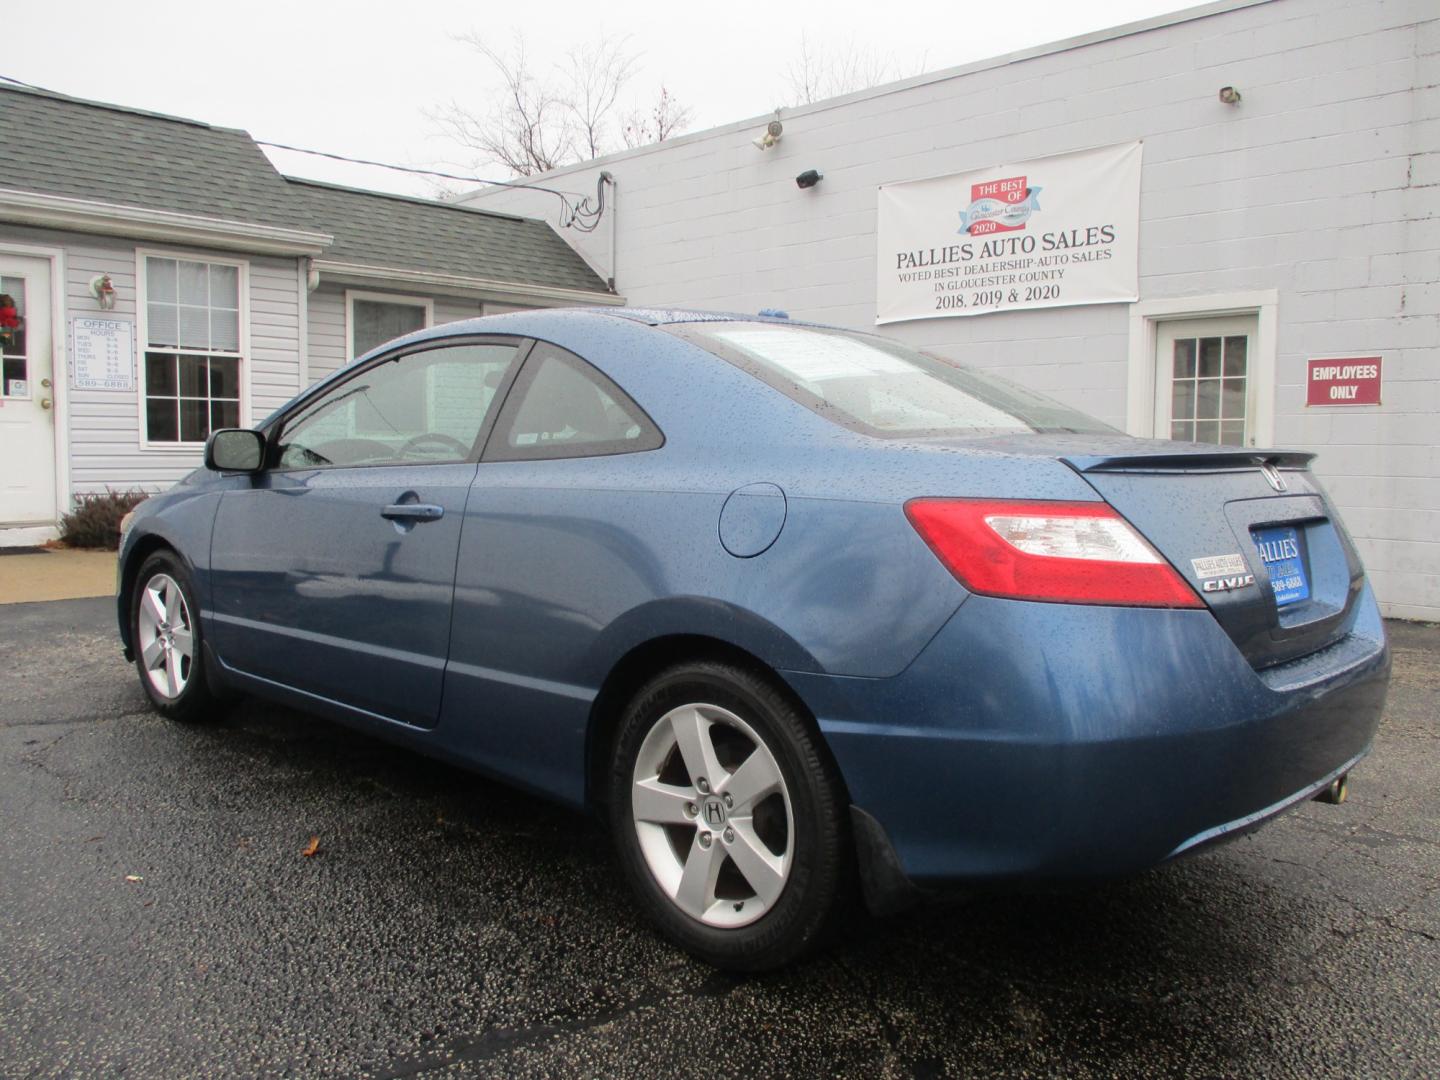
x=880, y=387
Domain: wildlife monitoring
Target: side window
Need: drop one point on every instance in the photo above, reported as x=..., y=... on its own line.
x=419, y=407
x=562, y=407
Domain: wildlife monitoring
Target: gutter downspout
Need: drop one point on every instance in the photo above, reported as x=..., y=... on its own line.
x=610, y=178
x=302, y=332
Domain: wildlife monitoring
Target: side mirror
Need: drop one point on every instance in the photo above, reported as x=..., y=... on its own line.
x=235, y=450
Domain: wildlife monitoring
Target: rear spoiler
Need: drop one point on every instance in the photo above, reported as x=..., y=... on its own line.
x=1192, y=461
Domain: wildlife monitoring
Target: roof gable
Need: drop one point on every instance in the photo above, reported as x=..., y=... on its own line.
x=59, y=145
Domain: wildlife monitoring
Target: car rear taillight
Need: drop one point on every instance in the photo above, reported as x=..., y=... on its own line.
x=1061, y=552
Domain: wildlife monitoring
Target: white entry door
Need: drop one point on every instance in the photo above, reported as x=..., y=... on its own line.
x=1205, y=385
x=27, y=393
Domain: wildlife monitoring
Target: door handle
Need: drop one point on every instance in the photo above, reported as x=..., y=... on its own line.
x=414, y=512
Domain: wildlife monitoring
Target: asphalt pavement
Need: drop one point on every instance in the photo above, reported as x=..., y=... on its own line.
x=158, y=919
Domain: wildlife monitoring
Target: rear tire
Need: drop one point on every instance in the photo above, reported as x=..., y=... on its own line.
x=166, y=636
x=729, y=819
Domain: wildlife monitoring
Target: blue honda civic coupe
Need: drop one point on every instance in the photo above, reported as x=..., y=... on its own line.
x=793, y=607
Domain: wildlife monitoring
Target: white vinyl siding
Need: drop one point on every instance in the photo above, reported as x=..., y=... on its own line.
x=105, y=425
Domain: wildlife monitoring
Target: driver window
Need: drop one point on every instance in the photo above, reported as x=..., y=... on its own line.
x=420, y=407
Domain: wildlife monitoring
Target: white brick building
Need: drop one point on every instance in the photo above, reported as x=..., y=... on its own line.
x=1306, y=218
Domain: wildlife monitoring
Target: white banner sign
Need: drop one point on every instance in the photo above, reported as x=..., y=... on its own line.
x=102, y=354
x=1051, y=232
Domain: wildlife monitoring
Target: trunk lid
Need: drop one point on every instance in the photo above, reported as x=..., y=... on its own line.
x=1218, y=514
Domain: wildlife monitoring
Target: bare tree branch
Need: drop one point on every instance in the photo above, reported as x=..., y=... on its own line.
x=816, y=74
x=539, y=123
x=597, y=72
x=665, y=117
x=529, y=130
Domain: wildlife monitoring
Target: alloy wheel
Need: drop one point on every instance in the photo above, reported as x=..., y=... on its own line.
x=166, y=636
x=713, y=815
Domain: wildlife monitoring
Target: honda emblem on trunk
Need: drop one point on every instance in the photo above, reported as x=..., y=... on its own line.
x=1273, y=477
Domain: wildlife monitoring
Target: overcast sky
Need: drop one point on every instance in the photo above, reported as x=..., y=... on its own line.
x=358, y=78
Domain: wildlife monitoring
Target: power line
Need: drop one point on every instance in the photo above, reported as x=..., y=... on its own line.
x=407, y=168
x=28, y=86
x=583, y=215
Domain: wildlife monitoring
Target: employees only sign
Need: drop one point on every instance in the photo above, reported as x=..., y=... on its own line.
x=1351, y=381
x=1051, y=232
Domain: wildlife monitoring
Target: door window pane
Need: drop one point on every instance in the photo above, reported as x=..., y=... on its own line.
x=1182, y=398
x=1185, y=358
x=1232, y=405
x=16, y=375
x=1209, y=358
x=425, y=406
x=14, y=368
x=376, y=322
x=1209, y=389
x=1236, y=349
x=1207, y=399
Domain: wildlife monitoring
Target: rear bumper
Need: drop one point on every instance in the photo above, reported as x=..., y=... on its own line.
x=1050, y=741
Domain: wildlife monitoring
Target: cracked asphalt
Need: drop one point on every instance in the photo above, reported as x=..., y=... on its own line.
x=157, y=919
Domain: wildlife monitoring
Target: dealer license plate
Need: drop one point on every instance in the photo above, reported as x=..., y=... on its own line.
x=1279, y=548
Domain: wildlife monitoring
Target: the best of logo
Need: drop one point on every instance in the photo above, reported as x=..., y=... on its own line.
x=999, y=206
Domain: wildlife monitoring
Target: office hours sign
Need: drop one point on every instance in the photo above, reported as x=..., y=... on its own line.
x=1052, y=232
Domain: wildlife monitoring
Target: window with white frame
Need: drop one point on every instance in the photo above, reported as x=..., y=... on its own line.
x=1205, y=388
x=375, y=318
x=193, y=347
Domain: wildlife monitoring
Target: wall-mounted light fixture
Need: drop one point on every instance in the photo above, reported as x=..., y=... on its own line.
x=770, y=137
x=103, y=289
x=808, y=179
x=1229, y=95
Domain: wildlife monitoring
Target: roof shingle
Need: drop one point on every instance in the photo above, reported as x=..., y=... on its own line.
x=421, y=234
x=58, y=145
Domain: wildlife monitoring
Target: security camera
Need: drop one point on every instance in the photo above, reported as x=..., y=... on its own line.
x=808, y=179
x=770, y=137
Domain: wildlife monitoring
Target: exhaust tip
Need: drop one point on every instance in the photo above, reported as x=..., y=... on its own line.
x=1335, y=792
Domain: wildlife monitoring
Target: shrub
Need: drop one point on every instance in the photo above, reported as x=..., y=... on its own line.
x=95, y=521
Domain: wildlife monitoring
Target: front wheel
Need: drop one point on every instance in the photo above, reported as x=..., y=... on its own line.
x=729, y=818
x=165, y=631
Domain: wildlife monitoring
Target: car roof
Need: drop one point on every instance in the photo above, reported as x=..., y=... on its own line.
x=672, y=316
